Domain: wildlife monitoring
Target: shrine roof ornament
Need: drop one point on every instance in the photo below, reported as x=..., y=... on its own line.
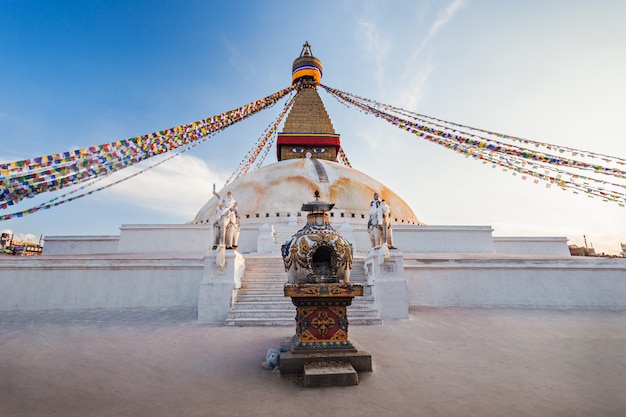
x=317, y=206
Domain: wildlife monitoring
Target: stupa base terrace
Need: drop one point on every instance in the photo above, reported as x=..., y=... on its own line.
x=174, y=267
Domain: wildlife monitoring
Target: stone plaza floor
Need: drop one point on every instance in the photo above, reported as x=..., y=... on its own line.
x=440, y=362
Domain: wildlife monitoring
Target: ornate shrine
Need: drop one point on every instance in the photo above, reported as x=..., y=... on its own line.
x=318, y=262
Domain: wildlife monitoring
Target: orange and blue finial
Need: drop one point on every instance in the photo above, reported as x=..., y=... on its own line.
x=306, y=67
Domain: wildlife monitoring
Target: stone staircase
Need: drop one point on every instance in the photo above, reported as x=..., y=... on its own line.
x=283, y=234
x=260, y=301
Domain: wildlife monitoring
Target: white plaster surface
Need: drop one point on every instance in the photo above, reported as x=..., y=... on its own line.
x=437, y=239
x=248, y=238
x=385, y=271
x=409, y=239
x=163, y=280
x=556, y=246
x=278, y=191
x=99, y=282
x=169, y=271
x=217, y=288
x=79, y=245
x=266, y=239
x=140, y=238
x=475, y=280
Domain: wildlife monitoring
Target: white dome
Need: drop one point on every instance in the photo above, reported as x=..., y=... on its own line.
x=277, y=191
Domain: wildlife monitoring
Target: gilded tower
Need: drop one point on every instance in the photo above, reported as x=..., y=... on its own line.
x=308, y=131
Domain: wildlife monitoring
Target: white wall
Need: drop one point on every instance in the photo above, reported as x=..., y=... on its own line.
x=148, y=238
x=443, y=239
x=162, y=280
x=78, y=245
x=104, y=282
x=408, y=239
x=551, y=246
x=516, y=281
x=199, y=238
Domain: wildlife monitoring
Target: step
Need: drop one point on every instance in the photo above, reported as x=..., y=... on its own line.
x=361, y=313
x=259, y=295
x=265, y=278
x=269, y=297
x=261, y=300
x=354, y=310
x=364, y=305
x=329, y=374
x=272, y=273
x=265, y=314
x=255, y=286
x=276, y=286
x=369, y=298
x=261, y=283
x=278, y=312
x=264, y=305
x=249, y=322
x=365, y=321
x=253, y=321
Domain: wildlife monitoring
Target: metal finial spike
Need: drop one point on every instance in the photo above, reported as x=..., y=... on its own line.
x=306, y=49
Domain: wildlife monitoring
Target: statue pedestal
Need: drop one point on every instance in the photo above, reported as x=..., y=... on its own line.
x=322, y=328
x=217, y=288
x=386, y=273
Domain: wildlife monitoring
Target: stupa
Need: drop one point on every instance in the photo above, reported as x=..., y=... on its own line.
x=307, y=153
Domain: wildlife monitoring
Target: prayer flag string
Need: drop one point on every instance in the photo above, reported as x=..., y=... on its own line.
x=27, y=178
x=343, y=158
x=264, y=141
x=57, y=201
x=579, y=175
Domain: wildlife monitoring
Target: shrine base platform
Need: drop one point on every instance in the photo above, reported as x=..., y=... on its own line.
x=293, y=363
x=329, y=374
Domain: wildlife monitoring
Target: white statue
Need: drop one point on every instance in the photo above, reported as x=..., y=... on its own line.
x=386, y=223
x=226, y=221
x=374, y=224
x=379, y=224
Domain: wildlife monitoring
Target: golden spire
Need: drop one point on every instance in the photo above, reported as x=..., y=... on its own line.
x=308, y=129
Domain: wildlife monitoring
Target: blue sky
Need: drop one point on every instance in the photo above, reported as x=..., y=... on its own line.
x=82, y=73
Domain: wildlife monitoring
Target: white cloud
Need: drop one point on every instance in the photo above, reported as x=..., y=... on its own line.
x=443, y=18
x=411, y=95
x=417, y=69
x=376, y=47
x=238, y=61
x=22, y=237
x=180, y=185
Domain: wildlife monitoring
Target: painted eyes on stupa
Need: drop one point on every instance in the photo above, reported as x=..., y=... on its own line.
x=302, y=150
